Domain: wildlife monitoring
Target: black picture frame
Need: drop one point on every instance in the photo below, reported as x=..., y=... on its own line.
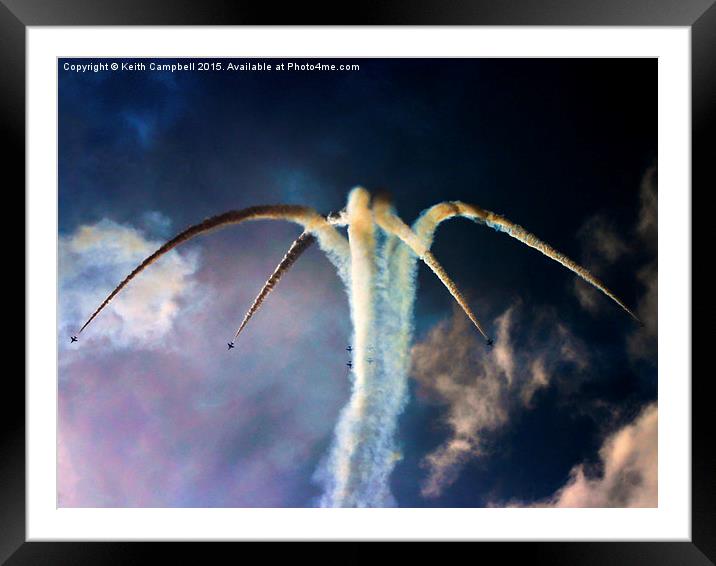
x=16, y=15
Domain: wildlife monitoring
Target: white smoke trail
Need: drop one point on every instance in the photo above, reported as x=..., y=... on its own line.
x=364, y=453
x=368, y=435
x=430, y=219
x=396, y=287
x=347, y=466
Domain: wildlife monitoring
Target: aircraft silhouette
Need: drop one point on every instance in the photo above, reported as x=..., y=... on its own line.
x=490, y=342
x=349, y=349
x=73, y=339
x=230, y=345
x=350, y=365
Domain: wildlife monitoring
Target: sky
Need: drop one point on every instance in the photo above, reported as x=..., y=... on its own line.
x=154, y=412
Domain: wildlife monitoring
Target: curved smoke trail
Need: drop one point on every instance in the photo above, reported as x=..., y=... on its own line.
x=330, y=240
x=300, y=245
x=303, y=242
x=388, y=221
x=430, y=219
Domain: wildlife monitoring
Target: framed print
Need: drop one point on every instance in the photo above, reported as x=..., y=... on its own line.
x=360, y=282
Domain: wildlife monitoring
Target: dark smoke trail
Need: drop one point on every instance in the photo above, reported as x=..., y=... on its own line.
x=300, y=245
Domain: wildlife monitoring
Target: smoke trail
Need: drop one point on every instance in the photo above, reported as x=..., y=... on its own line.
x=330, y=240
x=430, y=219
x=301, y=244
x=395, y=298
x=349, y=464
x=388, y=221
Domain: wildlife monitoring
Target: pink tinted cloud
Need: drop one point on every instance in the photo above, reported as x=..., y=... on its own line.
x=188, y=424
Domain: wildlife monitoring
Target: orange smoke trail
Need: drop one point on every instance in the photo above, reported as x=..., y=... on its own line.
x=388, y=221
x=430, y=219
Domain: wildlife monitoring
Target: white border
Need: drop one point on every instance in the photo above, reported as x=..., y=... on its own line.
x=671, y=521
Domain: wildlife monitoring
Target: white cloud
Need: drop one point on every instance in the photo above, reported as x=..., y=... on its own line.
x=480, y=388
x=629, y=478
x=95, y=258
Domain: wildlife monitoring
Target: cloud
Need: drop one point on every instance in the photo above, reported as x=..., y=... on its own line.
x=481, y=388
x=629, y=464
x=187, y=423
x=95, y=258
x=157, y=223
x=642, y=343
x=68, y=477
x=647, y=226
x=603, y=248
x=601, y=241
x=143, y=126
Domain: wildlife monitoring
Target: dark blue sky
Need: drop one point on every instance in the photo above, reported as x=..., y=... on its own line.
x=549, y=143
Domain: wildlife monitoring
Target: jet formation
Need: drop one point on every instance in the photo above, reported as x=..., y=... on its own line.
x=419, y=238
x=380, y=285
